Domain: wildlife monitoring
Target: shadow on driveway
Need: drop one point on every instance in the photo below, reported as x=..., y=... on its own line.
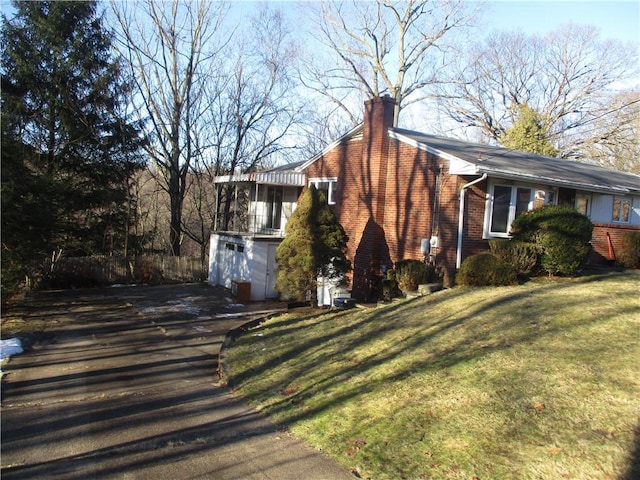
x=127, y=387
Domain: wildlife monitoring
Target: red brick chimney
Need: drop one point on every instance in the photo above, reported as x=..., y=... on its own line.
x=378, y=118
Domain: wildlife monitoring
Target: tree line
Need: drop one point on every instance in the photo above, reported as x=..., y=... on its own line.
x=117, y=116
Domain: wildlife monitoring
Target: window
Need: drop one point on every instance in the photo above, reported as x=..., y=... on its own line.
x=274, y=207
x=507, y=203
x=621, y=209
x=326, y=185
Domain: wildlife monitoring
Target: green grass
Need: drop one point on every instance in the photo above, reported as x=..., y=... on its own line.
x=538, y=381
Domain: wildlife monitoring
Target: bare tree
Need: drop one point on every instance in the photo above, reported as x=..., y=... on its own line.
x=614, y=138
x=249, y=107
x=567, y=77
x=170, y=46
x=382, y=47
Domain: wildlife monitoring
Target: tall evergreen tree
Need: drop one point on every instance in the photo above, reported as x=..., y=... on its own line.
x=68, y=150
x=315, y=246
x=528, y=134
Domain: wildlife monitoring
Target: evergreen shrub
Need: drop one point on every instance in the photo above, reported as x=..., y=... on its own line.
x=486, y=269
x=562, y=234
x=629, y=255
x=523, y=256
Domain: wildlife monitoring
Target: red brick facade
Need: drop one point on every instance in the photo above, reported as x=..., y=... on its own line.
x=390, y=195
x=387, y=202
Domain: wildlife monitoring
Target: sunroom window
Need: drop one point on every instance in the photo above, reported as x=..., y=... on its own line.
x=621, y=209
x=327, y=186
x=507, y=203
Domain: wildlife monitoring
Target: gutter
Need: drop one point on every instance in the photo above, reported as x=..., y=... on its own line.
x=461, y=217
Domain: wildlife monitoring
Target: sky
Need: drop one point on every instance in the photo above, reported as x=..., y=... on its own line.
x=614, y=19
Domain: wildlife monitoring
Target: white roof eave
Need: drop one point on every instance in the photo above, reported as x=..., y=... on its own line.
x=534, y=178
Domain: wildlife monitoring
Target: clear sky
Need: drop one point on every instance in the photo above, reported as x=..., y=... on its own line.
x=615, y=19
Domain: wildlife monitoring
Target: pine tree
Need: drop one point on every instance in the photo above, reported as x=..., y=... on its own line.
x=315, y=246
x=528, y=134
x=68, y=151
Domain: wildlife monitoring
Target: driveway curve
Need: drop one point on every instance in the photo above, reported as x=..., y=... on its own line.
x=127, y=387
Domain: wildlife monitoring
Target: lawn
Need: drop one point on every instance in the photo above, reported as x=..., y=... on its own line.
x=537, y=381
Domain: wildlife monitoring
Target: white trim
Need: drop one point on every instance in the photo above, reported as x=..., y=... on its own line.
x=347, y=136
x=332, y=181
x=424, y=147
x=536, y=178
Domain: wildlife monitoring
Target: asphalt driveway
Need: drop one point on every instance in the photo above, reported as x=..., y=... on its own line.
x=127, y=387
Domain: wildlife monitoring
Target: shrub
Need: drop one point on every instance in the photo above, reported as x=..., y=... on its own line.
x=389, y=290
x=523, y=256
x=411, y=273
x=486, y=269
x=629, y=255
x=562, y=234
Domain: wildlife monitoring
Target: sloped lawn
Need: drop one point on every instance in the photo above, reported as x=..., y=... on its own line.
x=539, y=381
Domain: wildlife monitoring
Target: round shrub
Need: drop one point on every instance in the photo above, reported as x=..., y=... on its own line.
x=410, y=274
x=562, y=234
x=629, y=255
x=486, y=269
x=524, y=256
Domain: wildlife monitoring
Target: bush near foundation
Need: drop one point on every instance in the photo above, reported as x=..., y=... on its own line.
x=411, y=273
x=562, y=233
x=629, y=254
x=523, y=256
x=486, y=269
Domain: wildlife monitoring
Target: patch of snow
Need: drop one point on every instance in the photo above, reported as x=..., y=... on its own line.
x=200, y=328
x=172, y=307
x=10, y=346
x=234, y=305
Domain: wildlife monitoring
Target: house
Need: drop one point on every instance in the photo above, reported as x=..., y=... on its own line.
x=403, y=194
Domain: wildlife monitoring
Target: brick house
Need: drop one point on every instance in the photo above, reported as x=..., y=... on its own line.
x=402, y=194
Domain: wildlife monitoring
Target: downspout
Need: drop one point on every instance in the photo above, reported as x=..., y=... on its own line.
x=461, y=217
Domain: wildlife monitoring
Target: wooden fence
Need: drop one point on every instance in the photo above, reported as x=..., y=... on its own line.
x=68, y=272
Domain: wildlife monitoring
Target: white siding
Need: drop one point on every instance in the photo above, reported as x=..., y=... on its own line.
x=225, y=264
x=249, y=265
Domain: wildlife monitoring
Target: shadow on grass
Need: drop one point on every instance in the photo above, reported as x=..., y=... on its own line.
x=633, y=472
x=474, y=332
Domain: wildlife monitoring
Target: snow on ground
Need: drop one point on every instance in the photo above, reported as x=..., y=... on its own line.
x=10, y=346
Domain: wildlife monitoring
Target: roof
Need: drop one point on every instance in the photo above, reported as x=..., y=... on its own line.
x=467, y=158
x=281, y=175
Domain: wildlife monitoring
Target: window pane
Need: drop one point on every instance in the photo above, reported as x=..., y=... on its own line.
x=274, y=207
x=626, y=209
x=523, y=199
x=500, y=213
x=327, y=187
x=616, y=209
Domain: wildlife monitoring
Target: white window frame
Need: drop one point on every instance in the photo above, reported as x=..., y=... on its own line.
x=622, y=200
x=332, y=181
x=511, y=214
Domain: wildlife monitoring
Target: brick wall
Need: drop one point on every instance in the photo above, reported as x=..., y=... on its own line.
x=600, y=253
x=387, y=202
